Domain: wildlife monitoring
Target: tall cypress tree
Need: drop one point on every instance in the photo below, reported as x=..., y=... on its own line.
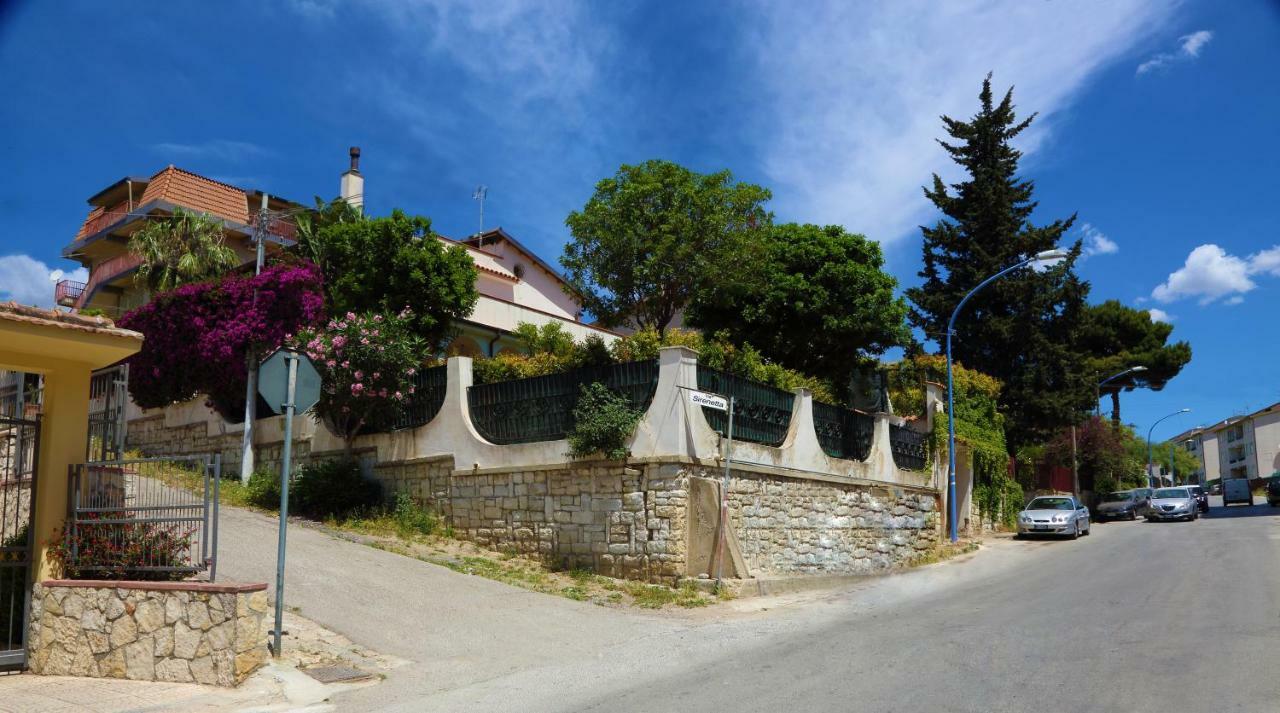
x=1022, y=328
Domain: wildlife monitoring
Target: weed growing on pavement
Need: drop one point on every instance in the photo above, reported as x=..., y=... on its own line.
x=942, y=553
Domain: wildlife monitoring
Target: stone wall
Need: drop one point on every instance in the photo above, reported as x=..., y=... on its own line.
x=613, y=519
x=15, y=508
x=178, y=632
x=633, y=520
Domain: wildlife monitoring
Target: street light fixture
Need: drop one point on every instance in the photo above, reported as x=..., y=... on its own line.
x=1097, y=401
x=1046, y=256
x=1149, y=430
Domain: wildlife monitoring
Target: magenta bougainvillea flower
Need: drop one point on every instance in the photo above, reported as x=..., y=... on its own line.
x=198, y=336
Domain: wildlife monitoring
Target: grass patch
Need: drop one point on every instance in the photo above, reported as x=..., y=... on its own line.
x=942, y=553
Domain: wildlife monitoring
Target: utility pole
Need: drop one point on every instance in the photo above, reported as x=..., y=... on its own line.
x=1075, y=470
x=251, y=363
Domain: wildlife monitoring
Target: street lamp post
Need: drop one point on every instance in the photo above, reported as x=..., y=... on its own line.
x=1097, y=401
x=1153, y=428
x=1045, y=256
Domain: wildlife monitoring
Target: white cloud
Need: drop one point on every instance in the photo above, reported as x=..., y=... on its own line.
x=219, y=149
x=1210, y=274
x=1159, y=315
x=1096, y=242
x=856, y=90
x=1189, y=47
x=26, y=280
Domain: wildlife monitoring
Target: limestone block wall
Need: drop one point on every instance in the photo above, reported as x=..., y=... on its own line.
x=179, y=632
x=788, y=525
x=15, y=508
x=611, y=518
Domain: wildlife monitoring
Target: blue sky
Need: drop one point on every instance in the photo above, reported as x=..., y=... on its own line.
x=1158, y=126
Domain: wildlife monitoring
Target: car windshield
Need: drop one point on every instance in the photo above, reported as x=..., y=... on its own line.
x=1052, y=504
x=1117, y=497
x=1171, y=493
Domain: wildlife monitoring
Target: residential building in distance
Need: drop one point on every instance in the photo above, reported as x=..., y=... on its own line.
x=1246, y=446
x=1193, y=442
x=515, y=285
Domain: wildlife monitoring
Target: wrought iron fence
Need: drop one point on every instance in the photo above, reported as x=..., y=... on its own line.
x=908, y=447
x=154, y=518
x=843, y=433
x=761, y=413
x=429, y=387
x=19, y=446
x=541, y=408
x=108, y=396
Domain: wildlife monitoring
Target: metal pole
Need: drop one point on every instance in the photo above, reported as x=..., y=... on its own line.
x=724, y=495
x=292, y=358
x=251, y=390
x=951, y=421
x=1075, y=469
x=217, y=494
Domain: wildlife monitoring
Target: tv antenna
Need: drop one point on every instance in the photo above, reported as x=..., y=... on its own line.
x=479, y=195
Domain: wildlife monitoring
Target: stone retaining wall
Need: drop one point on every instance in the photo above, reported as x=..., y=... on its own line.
x=633, y=521
x=15, y=508
x=179, y=632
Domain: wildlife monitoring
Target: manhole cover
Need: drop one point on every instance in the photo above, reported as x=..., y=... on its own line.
x=336, y=674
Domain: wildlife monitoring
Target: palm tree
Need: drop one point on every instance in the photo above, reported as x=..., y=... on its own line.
x=180, y=249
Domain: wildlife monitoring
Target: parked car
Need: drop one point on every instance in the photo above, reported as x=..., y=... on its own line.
x=1216, y=488
x=1236, y=490
x=1273, y=492
x=1202, y=498
x=1054, y=515
x=1121, y=505
x=1173, y=504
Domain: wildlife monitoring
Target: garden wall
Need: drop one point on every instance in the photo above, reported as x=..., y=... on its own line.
x=179, y=632
x=637, y=520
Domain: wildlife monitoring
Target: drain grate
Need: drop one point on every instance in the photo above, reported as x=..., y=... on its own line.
x=336, y=674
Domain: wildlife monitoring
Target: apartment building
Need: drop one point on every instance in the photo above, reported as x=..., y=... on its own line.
x=1246, y=446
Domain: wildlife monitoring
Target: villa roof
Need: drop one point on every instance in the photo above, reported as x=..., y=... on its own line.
x=14, y=312
x=178, y=187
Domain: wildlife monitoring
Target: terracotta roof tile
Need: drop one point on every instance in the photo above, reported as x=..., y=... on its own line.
x=194, y=191
x=14, y=312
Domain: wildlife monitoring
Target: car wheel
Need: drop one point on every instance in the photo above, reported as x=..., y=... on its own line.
x=1075, y=531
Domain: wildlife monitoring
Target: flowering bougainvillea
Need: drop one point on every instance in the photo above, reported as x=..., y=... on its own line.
x=198, y=336
x=366, y=364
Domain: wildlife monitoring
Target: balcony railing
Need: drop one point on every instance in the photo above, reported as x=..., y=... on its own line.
x=105, y=272
x=67, y=292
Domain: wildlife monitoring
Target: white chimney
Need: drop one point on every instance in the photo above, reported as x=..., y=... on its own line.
x=352, y=189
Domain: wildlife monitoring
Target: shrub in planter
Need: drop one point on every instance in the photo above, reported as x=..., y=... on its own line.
x=603, y=421
x=119, y=550
x=332, y=489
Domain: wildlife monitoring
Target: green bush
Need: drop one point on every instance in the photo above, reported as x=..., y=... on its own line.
x=603, y=421
x=412, y=518
x=332, y=489
x=263, y=489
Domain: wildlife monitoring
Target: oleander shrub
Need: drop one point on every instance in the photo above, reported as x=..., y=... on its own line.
x=603, y=422
x=332, y=488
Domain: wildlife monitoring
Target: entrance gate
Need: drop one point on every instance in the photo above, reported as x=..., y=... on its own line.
x=108, y=395
x=19, y=446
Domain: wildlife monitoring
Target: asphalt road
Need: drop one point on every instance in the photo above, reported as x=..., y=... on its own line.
x=1136, y=617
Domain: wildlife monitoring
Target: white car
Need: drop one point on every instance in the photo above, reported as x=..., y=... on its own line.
x=1173, y=504
x=1054, y=515
x=1236, y=490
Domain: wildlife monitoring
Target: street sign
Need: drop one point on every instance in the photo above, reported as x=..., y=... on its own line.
x=273, y=381
x=715, y=401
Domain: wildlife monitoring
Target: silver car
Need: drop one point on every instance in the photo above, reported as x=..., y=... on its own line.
x=1173, y=504
x=1054, y=515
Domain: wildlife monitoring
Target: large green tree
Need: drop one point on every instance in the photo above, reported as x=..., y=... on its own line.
x=655, y=234
x=1115, y=338
x=1022, y=328
x=816, y=299
x=181, y=249
x=390, y=263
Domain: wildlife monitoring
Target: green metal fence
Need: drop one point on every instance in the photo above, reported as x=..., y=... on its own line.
x=541, y=408
x=843, y=433
x=761, y=412
x=908, y=448
x=429, y=387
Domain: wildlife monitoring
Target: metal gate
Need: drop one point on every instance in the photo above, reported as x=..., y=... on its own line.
x=19, y=446
x=108, y=395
